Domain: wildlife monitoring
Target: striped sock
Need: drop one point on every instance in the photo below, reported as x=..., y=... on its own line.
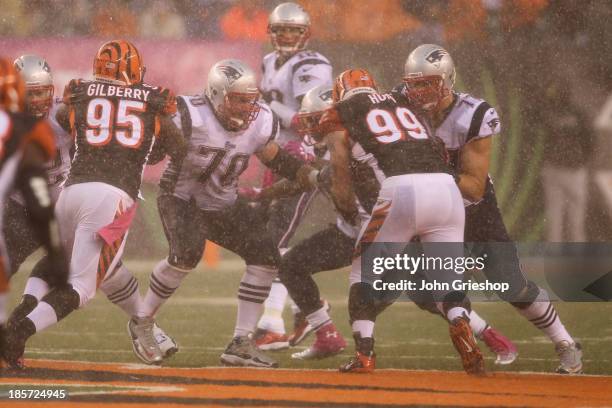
x=252, y=292
x=124, y=292
x=164, y=280
x=542, y=314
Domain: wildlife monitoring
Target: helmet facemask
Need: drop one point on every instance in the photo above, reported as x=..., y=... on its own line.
x=287, y=39
x=309, y=129
x=239, y=110
x=425, y=92
x=39, y=100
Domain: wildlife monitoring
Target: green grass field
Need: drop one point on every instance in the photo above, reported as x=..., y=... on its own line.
x=201, y=314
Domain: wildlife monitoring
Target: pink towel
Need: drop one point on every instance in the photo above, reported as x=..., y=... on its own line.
x=117, y=229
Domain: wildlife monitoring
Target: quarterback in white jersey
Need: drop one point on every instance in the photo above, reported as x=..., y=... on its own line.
x=288, y=73
x=198, y=197
x=466, y=125
x=290, y=70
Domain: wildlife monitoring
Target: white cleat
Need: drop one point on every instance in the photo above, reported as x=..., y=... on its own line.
x=143, y=341
x=167, y=345
x=242, y=352
x=570, y=357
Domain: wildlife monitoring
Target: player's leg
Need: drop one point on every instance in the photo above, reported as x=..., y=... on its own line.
x=325, y=250
x=385, y=224
x=440, y=226
x=82, y=211
x=241, y=231
x=122, y=289
x=485, y=226
x=284, y=216
x=182, y=222
x=20, y=241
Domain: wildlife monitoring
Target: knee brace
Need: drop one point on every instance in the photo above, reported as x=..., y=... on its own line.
x=63, y=300
x=362, y=303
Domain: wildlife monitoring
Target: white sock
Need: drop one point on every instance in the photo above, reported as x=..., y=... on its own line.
x=456, y=312
x=272, y=318
x=36, y=287
x=252, y=292
x=365, y=328
x=542, y=314
x=3, y=307
x=42, y=316
x=319, y=318
x=122, y=289
x=164, y=280
x=477, y=323
x=294, y=308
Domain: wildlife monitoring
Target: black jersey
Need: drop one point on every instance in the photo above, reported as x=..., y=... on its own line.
x=399, y=141
x=114, y=127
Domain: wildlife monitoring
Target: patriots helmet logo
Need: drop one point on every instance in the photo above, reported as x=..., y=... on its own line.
x=231, y=73
x=326, y=96
x=493, y=123
x=436, y=56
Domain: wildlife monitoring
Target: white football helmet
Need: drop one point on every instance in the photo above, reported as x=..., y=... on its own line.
x=36, y=74
x=289, y=28
x=233, y=93
x=314, y=104
x=429, y=75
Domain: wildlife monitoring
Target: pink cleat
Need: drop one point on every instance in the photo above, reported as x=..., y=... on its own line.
x=500, y=345
x=329, y=342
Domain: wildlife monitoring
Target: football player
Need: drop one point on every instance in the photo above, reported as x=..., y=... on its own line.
x=288, y=73
x=20, y=239
x=467, y=126
x=115, y=120
x=334, y=245
x=26, y=144
x=418, y=197
x=224, y=127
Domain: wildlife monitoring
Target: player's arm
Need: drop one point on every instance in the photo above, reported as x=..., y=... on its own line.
x=32, y=181
x=63, y=117
x=474, y=158
x=341, y=183
x=284, y=164
x=171, y=140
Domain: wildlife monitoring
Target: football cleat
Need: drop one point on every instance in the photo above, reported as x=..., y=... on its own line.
x=301, y=327
x=465, y=344
x=167, y=345
x=143, y=340
x=360, y=363
x=13, y=347
x=500, y=345
x=570, y=356
x=329, y=342
x=242, y=352
x=271, y=341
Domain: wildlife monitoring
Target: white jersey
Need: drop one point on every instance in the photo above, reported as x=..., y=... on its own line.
x=58, y=168
x=216, y=157
x=469, y=119
x=289, y=82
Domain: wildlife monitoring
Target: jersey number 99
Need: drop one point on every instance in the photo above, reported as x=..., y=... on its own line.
x=390, y=127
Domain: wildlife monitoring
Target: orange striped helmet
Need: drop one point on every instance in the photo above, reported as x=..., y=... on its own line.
x=352, y=79
x=118, y=62
x=12, y=87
